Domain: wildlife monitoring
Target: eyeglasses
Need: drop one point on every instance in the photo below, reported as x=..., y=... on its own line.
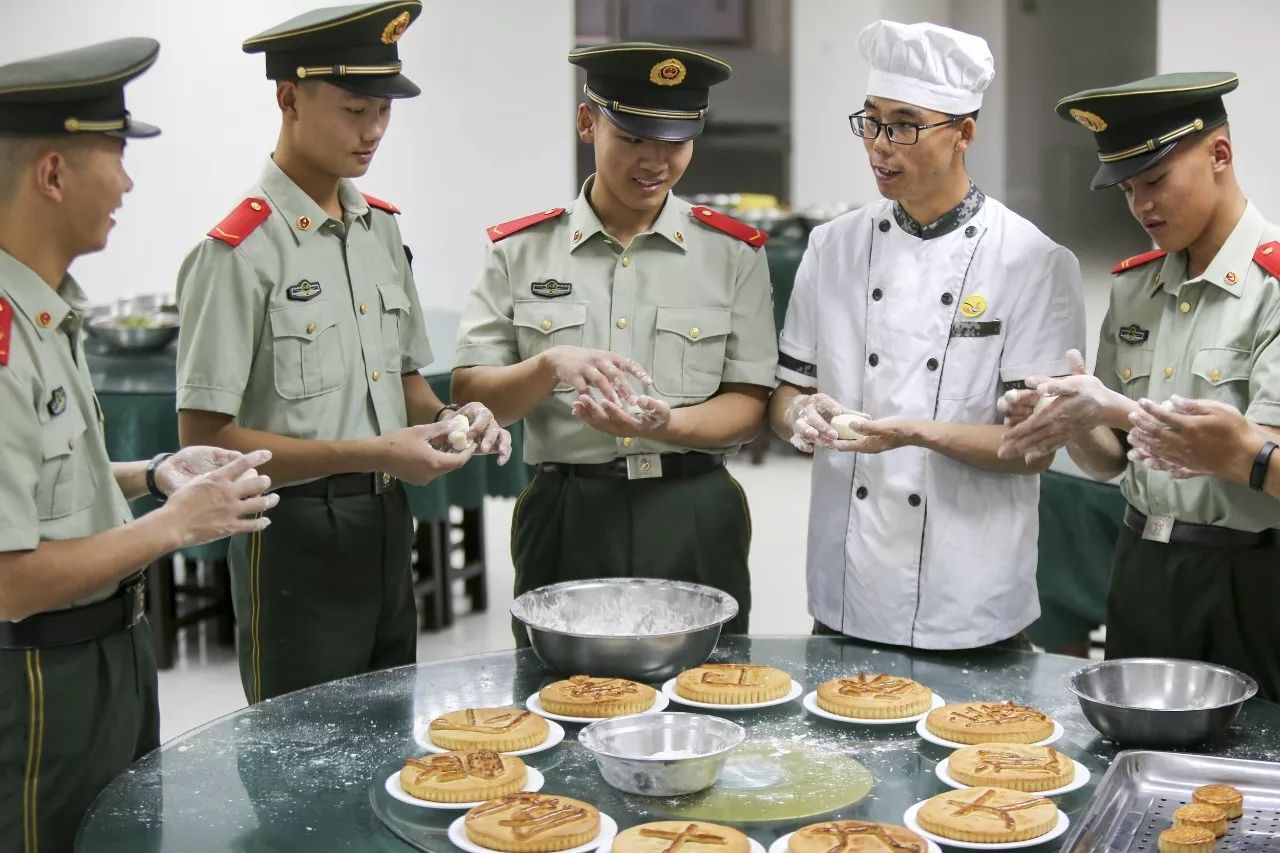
x=899, y=132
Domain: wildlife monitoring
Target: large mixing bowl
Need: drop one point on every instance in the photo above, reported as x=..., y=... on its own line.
x=134, y=332
x=640, y=628
x=661, y=755
x=1161, y=701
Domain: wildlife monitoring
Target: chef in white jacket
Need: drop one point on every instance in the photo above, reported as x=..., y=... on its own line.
x=921, y=310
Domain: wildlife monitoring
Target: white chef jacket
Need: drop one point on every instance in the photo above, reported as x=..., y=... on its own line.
x=911, y=547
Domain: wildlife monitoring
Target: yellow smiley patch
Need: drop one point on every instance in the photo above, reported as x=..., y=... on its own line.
x=973, y=306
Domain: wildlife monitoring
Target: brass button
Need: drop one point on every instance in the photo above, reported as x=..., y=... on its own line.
x=1126, y=373
x=626, y=260
x=627, y=442
x=1185, y=308
x=253, y=205
x=622, y=323
x=311, y=328
x=377, y=375
x=1168, y=373
x=364, y=309
x=679, y=237
x=545, y=325
x=71, y=444
x=1215, y=375
x=694, y=332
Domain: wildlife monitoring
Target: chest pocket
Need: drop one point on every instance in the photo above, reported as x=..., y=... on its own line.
x=688, y=350
x=1133, y=369
x=545, y=324
x=972, y=364
x=67, y=482
x=309, y=357
x=395, y=317
x=1222, y=373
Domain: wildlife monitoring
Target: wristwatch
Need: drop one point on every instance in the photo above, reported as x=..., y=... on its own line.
x=1258, y=475
x=155, y=463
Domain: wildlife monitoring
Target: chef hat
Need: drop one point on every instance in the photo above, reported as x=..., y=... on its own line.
x=927, y=65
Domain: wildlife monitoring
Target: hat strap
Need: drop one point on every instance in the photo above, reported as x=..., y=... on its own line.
x=1153, y=144
x=76, y=125
x=305, y=71
x=617, y=107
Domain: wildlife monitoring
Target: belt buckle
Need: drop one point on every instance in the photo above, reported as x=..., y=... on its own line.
x=382, y=481
x=644, y=466
x=1158, y=528
x=139, y=605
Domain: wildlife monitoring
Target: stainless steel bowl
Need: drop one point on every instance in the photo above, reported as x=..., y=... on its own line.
x=629, y=751
x=1161, y=701
x=640, y=628
x=133, y=332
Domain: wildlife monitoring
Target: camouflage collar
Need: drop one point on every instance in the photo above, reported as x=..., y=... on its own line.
x=947, y=222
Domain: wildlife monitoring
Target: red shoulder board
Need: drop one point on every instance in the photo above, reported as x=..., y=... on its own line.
x=239, y=224
x=506, y=229
x=1268, y=257
x=6, y=327
x=1138, y=260
x=748, y=234
x=374, y=201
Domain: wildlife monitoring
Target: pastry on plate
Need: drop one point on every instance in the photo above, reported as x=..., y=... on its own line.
x=499, y=729
x=874, y=696
x=988, y=815
x=1018, y=766
x=1225, y=797
x=1186, y=839
x=989, y=722
x=583, y=696
x=733, y=683
x=463, y=777
x=1202, y=814
x=532, y=823
x=680, y=836
x=855, y=836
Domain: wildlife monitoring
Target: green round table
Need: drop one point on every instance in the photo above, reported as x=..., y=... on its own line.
x=305, y=771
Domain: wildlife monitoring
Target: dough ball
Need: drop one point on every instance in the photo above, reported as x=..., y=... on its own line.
x=458, y=439
x=459, y=424
x=846, y=425
x=1043, y=402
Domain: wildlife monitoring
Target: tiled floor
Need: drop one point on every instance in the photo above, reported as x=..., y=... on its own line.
x=205, y=683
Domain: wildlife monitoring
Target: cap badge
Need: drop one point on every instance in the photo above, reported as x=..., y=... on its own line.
x=1093, y=121
x=395, y=28
x=668, y=72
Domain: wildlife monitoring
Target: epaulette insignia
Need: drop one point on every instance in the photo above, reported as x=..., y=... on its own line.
x=374, y=201
x=506, y=229
x=1268, y=257
x=748, y=234
x=1138, y=260
x=6, y=328
x=239, y=224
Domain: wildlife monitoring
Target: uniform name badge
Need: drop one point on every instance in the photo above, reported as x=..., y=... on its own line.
x=644, y=466
x=1158, y=528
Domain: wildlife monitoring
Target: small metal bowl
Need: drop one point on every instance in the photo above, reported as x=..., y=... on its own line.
x=640, y=628
x=121, y=332
x=1161, y=701
x=629, y=751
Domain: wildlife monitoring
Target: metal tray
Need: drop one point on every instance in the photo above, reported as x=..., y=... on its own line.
x=1136, y=799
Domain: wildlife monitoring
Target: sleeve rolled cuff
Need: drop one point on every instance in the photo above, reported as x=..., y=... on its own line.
x=484, y=356
x=749, y=373
x=205, y=399
x=1019, y=372
x=20, y=537
x=1264, y=412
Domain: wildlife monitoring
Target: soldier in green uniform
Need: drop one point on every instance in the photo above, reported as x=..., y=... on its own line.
x=77, y=671
x=628, y=283
x=302, y=333
x=1195, y=567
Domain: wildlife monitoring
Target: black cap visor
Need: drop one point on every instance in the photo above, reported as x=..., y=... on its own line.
x=658, y=129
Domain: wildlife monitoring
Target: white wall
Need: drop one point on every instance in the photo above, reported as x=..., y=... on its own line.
x=489, y=139
x=1247, y=34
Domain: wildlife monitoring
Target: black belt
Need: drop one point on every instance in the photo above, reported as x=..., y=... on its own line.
x=120, y=612
x=341, y=486
x=1162, y=528
x=642, y=466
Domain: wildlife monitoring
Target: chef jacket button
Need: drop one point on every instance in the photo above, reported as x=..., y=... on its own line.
x=884, y=225
x=970, y=231
x=947, y=299
x=914, y=500
x=932, y=364
x=877, y=294
x=861, y=493
x=873, y=359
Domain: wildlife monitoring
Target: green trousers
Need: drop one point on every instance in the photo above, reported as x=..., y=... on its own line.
x=694, y=529
x=325, y=592
x=71, y=719
x=1189, y=601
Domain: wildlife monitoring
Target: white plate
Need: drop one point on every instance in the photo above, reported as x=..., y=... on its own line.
x=909, y=820
x=669, y=688
x=811, y=705
x=555, y=734
x=943, y=772
x=755, y=846
x=608, y=829
x=923, y=731
x=535, y=783
x=534, y=704
x=780, y=846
